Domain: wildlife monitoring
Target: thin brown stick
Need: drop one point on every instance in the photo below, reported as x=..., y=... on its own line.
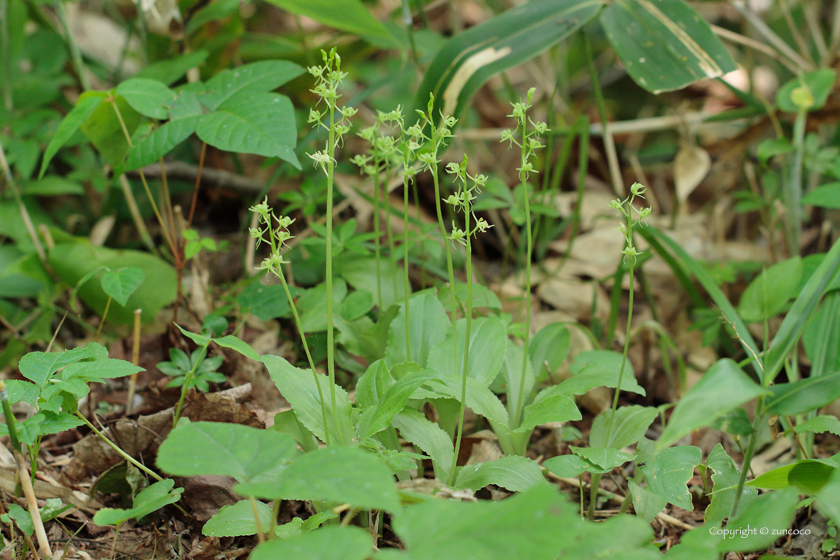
x=32, y=505
x=135, y=359
x=104, y=316
x=197, y=182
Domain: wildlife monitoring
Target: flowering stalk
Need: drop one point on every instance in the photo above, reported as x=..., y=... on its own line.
x=626, y=208
x=437, y=138
x=328, y=77
x=275, y=232
x=468, y=186
x=382, y=149
x=529, y=143
x=411, y=141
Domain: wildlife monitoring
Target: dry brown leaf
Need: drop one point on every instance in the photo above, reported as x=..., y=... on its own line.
x=690, y=168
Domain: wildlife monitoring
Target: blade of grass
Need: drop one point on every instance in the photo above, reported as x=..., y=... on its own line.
x=711, y=287
x=800, y=313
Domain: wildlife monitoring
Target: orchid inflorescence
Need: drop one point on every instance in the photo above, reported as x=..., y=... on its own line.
x=328, y=77
x=463, y=199
x=637, y=190
x=274, y=231
x=529, y=140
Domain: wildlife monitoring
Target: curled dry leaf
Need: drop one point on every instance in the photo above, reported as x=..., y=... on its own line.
x=690, y=167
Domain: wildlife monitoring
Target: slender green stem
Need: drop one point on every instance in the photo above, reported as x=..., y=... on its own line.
x=11, y=423
x=377, y=242
x=468, y=317
x=631, y=265
x=299, y=326
x=388, y=227
x=406, y=282
x=329, y=271
x=520, y=400
x=748, y=455
x=793, y=190
x=452, y=298
x=116, y=448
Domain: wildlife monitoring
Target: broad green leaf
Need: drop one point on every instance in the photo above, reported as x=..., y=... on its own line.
x=646, y=504
x=535, y=524
x=239, y=345
x=558, y=408
x=624, y=536
x=768, y=294
x=774, y=479
x=549, y=347
x=120, y=284
x=347, y=15
x=290, y=529
x=427, y=436
x=87, y=104
x=52, y=186
x=511, y=375
x=287, y=423
x=664, y=45
x=312, y=305
x=21, y=517
x=356, y=305
x=39, y=366
x=106, y=133
x=373, y=384
x=151, y=499
x=23, y=391
x=603, y=457
x=819, y=84
x=150, y=98
x=800, y=314
x=804, y=395
x=257, y=77
x=480, y=399
x=824, y=196
x=265, y=302
x=488, y=342
x=819, y=334
x=252, y=123
x=820, y=424
x=828, y=500
x=482, y=296
x=809, y=477
x=361, y=274
x=211, y=448
x=99, y=370
x=570, y=466
x=378, y=417
x=160, y=142
x=298, y=387
x=472, y=57
x=429, y=326
x=772, y=511
x=329, y=543
x=171, y=70
x=237, y=520
x=668, y=472
x=628, y=426
x=721, y=389
x=335, y=474
x=725, y=479
x=596, y=368
x=514, y=473
x=72, y=261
